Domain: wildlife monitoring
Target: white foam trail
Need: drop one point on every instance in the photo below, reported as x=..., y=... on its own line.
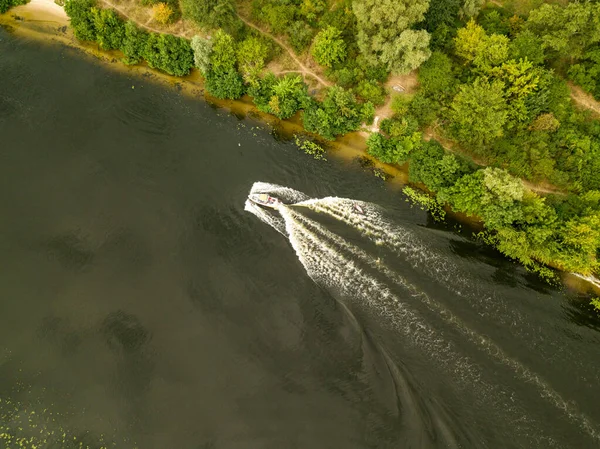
x=591, y=279
x=402, y=241
x=326, y=265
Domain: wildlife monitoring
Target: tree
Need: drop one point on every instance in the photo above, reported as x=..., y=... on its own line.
x=223, y=56
x=329, y=48
x=289, y=94
x=133, y=44
x=202, y=49
x=339, y=113
x=110, y=29
x=5, y=5
x=251, y=56
x=431, y=165
x=493, y=52
x=162, y=13
x=169, y=53
x=409, y=52
x=385, y=149
x=568, y=30
x=476, y=47
x=478, y=113
x=436, y=76
x=527, y=45
x=261, y=91
x=491, y=193
x=222, y=79
x=82, y=19
x=470, y=8
x=210, y=13
x=469, y=40
x=384, y=34
x=300, y=35
x=224, y=85
x=371, y=91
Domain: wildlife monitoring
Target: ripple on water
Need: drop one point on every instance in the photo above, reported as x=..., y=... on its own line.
x=144, y=114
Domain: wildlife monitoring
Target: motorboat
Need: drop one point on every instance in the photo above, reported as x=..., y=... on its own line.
x=264, y=199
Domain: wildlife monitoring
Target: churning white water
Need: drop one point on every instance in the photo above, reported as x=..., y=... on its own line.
x=336, y=263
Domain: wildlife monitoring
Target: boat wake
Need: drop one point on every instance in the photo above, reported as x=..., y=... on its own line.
x=359, y=276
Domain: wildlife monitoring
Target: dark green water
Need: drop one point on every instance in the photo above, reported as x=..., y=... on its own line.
x=142, y=306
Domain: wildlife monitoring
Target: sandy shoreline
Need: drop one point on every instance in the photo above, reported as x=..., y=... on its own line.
x=41, y=10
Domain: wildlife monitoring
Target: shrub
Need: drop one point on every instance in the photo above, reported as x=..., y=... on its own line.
x=162, y=13
x=134, y=43
x=224, y=85
x=168, y=53
x=371, y=91
x=300, y=35
x=329, y=48
x=82, y=18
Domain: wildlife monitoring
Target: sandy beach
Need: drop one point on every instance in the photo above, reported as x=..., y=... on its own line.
x=41, y=10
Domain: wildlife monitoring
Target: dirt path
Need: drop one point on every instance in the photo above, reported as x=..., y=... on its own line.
x=127, y=16
x=303, y=68
x=582, y=98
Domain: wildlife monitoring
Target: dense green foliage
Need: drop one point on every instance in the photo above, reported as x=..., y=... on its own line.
x=491, y=91
x=329, y=47
x=202, y=49
x=222, y=78
x=385, y=35
x=170, y=54
x=5, y=5
x=210, y=13
x=339, y=113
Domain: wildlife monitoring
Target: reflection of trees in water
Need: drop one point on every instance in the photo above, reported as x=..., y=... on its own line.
x=70, y=251
x=128, y=339
x=579, y=310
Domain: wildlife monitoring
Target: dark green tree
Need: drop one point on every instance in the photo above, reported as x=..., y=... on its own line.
x=82, y=18
x=134, y=43
x=172, y=55
x=110, y=28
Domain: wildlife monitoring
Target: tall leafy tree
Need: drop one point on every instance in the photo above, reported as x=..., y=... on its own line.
x=82, y=19
x=223, y=79
x=329, y=47
x=169, y=53
x=252, y=54
x=110, y=29
x=478, y=113
x=567, y=30
x=211, y=13
x=384, y=34
x=202, y=49
x=134, y=42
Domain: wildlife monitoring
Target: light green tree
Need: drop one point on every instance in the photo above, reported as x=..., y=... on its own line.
x=382, y=32
x=251, y=56
x=470, y=8
x=329, y=47
x=469, y=40
x=211, y=13
x=492, y=52
x=202, y=49
x=566, y=30
x=223, y=57
x=475, y=46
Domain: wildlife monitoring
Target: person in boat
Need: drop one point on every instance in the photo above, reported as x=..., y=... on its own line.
x=358, y=209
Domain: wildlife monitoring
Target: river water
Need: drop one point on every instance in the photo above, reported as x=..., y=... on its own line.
x=144, y=305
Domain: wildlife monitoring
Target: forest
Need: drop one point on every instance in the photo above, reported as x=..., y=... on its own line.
x=492, y=115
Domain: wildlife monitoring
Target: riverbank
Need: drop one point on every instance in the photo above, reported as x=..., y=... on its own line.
x=42, y=19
